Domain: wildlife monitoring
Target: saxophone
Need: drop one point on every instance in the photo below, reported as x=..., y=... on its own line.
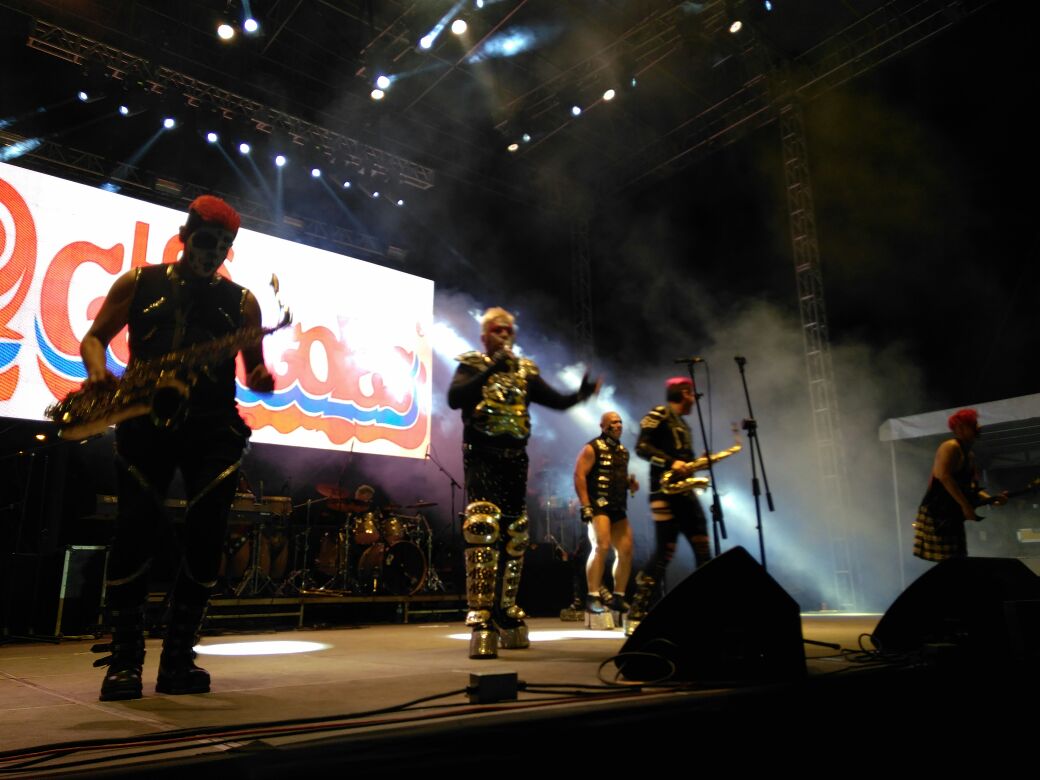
x=159, y=387
x=672, y=484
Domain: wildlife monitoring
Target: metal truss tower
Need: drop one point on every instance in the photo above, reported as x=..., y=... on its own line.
x=823, y=395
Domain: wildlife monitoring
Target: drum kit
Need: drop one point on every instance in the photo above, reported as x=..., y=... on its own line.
x=345, y=545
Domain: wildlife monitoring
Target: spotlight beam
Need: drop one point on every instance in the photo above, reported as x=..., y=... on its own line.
x=466, y=55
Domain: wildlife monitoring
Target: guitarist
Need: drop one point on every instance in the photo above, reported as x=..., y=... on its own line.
x=169, y=307
x=948, y=502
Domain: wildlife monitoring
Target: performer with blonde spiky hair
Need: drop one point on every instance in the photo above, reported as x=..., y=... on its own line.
x=493, y=389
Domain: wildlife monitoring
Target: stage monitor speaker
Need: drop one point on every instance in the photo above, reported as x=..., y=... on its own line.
x=986, y=606
x=55, y=595
x=728, y=621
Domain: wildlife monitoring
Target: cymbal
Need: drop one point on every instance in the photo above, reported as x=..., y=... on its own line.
x=329, y=490
x=421, y=504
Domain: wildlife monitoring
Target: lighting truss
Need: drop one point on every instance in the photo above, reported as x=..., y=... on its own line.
x=75, y=48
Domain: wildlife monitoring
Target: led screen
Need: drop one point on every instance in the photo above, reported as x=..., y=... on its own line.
x=352, y=371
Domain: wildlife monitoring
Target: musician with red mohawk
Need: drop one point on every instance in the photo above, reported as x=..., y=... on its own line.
x=169, y=308
x=947, y=504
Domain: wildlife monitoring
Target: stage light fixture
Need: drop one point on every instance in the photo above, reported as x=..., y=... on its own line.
x=609, y=95
x=382, y=82
x=346, y=185
x=279, y=160
x=169, y=123
x=244, y=148
x=426, y=42
x=479, y=3
x=526, y=138
x=768, y=5
x=124, y=110
x=513, y=146
x=736, y=27
x=212, y=137
x=316, y=173
x=83, y=96
x=400, y=201
x=225, y=31
x=41, y=437
x=377, y=94
x=575, y=110
x=459, y=26
x=375, y=194
x=251, y=25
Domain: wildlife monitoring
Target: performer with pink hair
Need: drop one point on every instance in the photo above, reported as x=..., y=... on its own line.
x=947, y=504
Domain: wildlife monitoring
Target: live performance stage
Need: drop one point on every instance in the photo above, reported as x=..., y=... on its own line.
x=602, y=389
x=390, y=698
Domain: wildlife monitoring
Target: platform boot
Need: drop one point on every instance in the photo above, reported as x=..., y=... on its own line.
x=178, y=673
x=645, y=586
x=126, y=660
x=509, y=617
x=597, y=614
x=480, y=530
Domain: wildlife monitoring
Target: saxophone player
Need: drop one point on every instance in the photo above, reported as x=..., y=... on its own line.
x=665, y=440
x=166, y=308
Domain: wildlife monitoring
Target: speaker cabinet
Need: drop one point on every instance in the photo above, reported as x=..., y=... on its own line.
x=989, y=607
x=727, y=621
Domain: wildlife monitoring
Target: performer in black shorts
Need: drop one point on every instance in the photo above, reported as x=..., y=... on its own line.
x=602, y=482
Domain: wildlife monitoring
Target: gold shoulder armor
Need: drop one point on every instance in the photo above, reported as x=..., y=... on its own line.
x=529, y=367
x=474, y=359
x=654, y=417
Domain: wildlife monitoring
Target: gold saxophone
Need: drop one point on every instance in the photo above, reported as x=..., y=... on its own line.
x=672, y=483
x=158, y=387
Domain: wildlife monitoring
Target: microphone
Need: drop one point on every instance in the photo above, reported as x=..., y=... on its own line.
x=694, y=359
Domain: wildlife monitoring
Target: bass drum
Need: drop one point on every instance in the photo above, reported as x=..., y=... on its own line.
x=398, y=569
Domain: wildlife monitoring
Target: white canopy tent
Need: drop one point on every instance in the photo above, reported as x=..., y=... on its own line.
x=1011, y=438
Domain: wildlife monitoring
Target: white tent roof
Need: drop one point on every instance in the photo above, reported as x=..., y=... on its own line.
x=1010, y=410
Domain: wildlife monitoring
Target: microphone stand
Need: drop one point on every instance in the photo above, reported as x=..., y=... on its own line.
x=718, y=523
x=751, y=426
x=454, y=485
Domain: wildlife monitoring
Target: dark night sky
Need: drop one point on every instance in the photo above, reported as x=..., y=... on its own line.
x=921, y=172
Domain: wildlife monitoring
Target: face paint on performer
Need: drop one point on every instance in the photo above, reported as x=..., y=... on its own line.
x=205, y=249
x=611, y=425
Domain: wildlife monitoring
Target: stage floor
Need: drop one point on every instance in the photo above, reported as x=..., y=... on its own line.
x=48, y=692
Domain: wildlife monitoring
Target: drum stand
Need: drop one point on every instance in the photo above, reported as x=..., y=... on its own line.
x=433, y=581
x=301, y=573
x=254, y=578
x=342, y=576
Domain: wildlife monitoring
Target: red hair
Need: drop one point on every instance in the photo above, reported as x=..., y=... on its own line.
x=963, y=417
x=209, y=208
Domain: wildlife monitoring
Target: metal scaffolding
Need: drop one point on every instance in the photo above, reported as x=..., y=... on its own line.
x=122, y=65
x=823, y=394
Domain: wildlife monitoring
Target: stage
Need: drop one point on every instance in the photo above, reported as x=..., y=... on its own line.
x=343, y=703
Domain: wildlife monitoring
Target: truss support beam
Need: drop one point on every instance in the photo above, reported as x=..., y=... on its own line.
x=877, y=37
x=823, y=395
x=77, y=49
x=149, y=186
